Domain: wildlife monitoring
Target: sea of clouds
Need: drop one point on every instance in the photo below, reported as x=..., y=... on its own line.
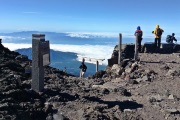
x=87, y=50
x=90, y=51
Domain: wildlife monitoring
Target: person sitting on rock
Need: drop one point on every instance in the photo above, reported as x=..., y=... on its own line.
x=169, y=38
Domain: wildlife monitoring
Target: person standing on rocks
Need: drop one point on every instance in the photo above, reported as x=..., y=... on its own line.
x=158, y=33
x=139, y=35
x=83, y=68
x=170, y=39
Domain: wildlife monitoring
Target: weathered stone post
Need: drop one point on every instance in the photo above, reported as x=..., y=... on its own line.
x=40, y=58
x=136, y=48
x=97, y=65
x=120, y=47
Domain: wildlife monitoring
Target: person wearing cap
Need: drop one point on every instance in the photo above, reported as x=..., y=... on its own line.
x=138, y=33
x=171, y=38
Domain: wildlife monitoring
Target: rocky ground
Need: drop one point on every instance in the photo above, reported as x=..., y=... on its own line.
x=146, y=89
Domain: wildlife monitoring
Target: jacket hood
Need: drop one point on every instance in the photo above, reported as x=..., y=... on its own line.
x=157, y=26
x=138, y=28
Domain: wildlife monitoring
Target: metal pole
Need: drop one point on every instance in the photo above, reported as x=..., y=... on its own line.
x=120, y=46
x=97, y=65
x=136, y=48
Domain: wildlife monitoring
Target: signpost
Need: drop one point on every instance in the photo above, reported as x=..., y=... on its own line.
x=40, y=58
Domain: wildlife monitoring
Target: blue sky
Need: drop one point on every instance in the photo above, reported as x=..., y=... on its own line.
x=89, y=15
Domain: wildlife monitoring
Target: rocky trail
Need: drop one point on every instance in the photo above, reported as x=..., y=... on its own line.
x=147, y=89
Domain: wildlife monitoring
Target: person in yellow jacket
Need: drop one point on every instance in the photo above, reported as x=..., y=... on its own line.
x=158, y=33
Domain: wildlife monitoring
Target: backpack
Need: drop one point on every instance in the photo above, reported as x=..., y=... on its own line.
x=159, y=32
x=168, y=38
x=139, y=35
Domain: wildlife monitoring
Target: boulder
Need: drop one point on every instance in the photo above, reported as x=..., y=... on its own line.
x=117, y=69
x=22, y=58
x=173, y=72
x=99, y=74
x=173, y=110
x=171, y=97
x=155, y=98
x=146, y=78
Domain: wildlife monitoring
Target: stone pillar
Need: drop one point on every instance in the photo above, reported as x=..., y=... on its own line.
x=40, y=58
x=0, y=41
x=120, y=47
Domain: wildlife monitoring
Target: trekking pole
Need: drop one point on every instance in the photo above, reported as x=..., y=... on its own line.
x=136, y=51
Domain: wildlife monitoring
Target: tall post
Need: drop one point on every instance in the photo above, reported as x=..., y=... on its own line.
x=40, y=58
x=83, y=60
x=136, y=48
x=97, y=65
x=0, y=41
x=120, y=48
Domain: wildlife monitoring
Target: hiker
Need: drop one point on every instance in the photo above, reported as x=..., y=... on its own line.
x=158, y=33
x=169, y=38
x=139, y=34
x=83, y=68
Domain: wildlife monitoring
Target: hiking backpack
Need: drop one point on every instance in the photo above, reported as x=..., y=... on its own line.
x=139, y=35
x=159, y=32
x=168, y=38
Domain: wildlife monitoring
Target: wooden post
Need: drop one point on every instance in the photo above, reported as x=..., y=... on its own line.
x=120, y=47
x=83, y=60
x=136, y=48
x=97, y=65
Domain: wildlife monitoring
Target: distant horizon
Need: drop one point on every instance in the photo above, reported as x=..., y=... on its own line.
x=100, y=34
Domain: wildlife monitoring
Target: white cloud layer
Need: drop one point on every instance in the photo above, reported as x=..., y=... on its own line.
x=111, y=35
x=91, y=51
x=12, y=38
x=92, y=35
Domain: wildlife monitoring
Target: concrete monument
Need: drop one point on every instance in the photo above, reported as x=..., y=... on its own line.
x=40, y=58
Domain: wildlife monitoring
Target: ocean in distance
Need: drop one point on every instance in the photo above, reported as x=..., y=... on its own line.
x=67, y=49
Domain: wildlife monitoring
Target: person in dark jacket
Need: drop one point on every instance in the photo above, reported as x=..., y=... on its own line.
x=139, y=33
x=83, y=68
x=171, y=38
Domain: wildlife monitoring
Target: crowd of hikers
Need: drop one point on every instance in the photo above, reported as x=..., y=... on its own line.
x=157, y=41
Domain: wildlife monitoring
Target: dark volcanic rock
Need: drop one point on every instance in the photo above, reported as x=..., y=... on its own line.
x=110, y=94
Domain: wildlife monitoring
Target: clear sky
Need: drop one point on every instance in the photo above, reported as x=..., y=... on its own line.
x=89, y=15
